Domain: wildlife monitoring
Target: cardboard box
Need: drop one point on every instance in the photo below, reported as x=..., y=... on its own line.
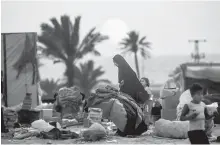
x=46, y=113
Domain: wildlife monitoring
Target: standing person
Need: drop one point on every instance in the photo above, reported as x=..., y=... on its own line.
x=196, y=112
x=128, y=81
x=156, y=111
x=147, y=106
x=186, y=98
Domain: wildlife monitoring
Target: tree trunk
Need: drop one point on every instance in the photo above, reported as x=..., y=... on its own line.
x=136, y=64
x=70, y=73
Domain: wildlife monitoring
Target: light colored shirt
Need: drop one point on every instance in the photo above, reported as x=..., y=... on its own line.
x=199, y=122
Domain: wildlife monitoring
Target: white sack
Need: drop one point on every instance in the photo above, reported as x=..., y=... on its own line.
x=42, y=125
x=212, y=108
x=171, y=129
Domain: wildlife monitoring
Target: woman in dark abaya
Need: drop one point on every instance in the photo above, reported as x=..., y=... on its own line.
x=130, y=84
x=128, y=81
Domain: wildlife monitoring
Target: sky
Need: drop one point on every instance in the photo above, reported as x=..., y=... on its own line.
x=167, y=25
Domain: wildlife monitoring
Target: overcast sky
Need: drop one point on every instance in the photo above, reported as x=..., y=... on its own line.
x=167, y=25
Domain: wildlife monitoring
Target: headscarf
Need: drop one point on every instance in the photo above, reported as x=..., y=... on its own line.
x=124, y=69
x=132, y=85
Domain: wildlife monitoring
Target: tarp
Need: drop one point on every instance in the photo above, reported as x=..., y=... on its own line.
x=211, y=73
x=15, y=45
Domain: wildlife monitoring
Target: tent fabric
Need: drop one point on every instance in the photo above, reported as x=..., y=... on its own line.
x=16, y=88
x=210, y=73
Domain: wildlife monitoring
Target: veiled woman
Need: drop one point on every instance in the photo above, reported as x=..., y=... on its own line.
x=128, y=81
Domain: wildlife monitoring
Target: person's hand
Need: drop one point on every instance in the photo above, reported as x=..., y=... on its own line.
x=122, y=83
x=193, y=115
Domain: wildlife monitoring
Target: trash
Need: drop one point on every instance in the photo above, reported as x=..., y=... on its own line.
x=95, y=132
x=111, y=141
x=10, y=117
x=69, y=122
x=56, y=134
x=41, y=125
x=25, y=135
x=49, y=142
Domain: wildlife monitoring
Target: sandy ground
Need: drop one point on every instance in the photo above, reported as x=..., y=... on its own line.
x=143, y=139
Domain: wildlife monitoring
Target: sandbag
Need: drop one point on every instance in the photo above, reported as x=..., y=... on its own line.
x=172, y=129
x=95, y=132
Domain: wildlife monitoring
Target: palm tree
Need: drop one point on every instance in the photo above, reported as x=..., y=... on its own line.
x=49, y=87
x=62, y=42
x=87, y=77
x=28, y=56
x=133, y=44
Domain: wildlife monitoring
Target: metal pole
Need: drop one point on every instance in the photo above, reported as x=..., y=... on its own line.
x=5, y=71
x=197, y=56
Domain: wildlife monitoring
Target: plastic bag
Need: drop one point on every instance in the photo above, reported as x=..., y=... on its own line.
x=212, y=108
x=95, y=132
x=41, y=125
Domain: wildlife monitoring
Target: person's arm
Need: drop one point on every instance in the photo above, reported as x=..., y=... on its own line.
x=185, y=111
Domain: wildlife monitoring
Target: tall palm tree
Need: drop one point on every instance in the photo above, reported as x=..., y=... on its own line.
x=62, y=43
x=49, y=87
x=87, y=77
x=28, y=56
x=133, y=44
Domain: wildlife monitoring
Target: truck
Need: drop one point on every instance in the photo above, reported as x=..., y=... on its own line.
x=183, y=76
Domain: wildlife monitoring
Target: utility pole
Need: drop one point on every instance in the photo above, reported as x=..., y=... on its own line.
x=197, y=56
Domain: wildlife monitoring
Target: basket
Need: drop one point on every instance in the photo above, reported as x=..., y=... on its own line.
x=28, y=116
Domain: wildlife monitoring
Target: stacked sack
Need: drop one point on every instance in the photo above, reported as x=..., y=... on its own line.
x=171, y=129
x=10, y=117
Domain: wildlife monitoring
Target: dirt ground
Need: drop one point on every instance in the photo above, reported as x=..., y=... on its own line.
x=143, y=139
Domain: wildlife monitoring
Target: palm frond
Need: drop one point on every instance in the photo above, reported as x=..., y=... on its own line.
x=142, y=40
x=51, y=47
x=75, y=34
x=145, y=53
x=57, y=28
x=67, y=31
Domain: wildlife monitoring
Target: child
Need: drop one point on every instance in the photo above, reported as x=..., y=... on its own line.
x=156, y=111
x=147, y=106
x=196, y=113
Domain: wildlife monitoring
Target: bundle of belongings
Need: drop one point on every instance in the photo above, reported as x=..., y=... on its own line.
x=120, y=108
x=68, y=102
x=10, y=117
x=177, y=129
x=45, y=130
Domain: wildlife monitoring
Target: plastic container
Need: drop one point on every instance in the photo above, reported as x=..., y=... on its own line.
x=27, y=102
